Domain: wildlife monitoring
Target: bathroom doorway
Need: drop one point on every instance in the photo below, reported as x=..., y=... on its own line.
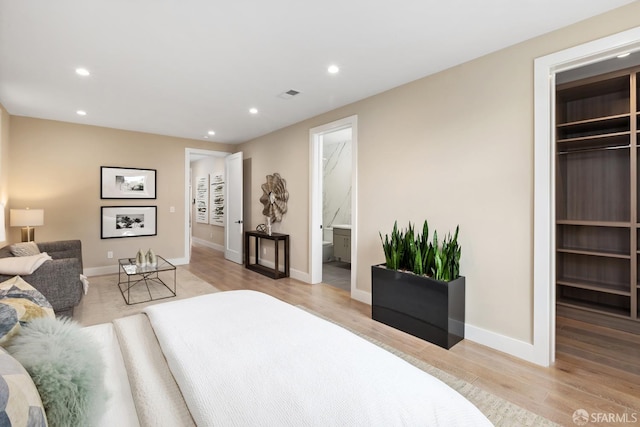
x=333, y=199
x=336, y=208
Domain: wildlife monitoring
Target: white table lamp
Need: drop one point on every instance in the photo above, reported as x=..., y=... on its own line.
x=27, y=219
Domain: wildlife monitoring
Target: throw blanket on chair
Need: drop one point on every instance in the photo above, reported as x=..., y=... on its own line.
x=22, y=265
x=246, y=358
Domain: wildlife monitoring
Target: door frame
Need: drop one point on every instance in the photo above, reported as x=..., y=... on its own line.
x=544, y=243
x=187, y=195
x=315, y=200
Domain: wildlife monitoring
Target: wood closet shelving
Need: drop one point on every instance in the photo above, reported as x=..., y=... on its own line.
x=597, y=212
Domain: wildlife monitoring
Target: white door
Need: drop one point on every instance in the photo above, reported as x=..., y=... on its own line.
x=233, y=216
x=190, y=210
x=315, y=243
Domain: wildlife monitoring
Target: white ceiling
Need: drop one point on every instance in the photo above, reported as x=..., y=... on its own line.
x=183, y=67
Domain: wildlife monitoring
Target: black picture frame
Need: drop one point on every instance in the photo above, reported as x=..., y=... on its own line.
x=128, y=221
x=127, y=183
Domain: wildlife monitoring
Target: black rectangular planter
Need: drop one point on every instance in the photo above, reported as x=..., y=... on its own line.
x=418, y=305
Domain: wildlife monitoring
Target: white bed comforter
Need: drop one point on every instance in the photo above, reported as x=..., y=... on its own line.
x=244, y=358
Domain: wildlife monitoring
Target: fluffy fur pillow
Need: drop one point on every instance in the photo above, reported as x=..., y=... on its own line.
x=20, y=404
x=67, y=368
x=19, y=303
x=24, y=249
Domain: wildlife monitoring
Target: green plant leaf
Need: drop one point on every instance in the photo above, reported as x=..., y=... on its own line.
x=406, y=250
x=438, y=266
x=417, y=265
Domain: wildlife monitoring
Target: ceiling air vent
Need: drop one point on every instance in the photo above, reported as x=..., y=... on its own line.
x=289, y=94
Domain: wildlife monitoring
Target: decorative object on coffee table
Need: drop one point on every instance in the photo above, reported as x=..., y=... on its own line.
x=141, y=259
x=274, y=197
x=152, y=258
x=134, y=280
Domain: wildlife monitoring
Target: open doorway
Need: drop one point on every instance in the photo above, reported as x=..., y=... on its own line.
x=202, y=168
x=547, y=69
x=336, y=208
x=333, y=203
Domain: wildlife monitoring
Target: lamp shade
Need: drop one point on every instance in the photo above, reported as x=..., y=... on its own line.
x=26, y=217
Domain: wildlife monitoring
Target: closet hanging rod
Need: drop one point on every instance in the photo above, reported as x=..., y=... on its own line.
x=586, y=150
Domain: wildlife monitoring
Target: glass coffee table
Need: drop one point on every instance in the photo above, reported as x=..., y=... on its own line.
x=144, y=284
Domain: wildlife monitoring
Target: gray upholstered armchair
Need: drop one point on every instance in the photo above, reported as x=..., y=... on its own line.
x=58, y=279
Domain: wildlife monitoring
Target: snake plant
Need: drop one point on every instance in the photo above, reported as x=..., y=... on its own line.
x=406, y=250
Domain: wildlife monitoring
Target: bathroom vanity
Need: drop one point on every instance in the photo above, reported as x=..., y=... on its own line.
x=342, y=242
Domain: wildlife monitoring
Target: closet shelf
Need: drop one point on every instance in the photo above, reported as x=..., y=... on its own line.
x=593, y=286
x=597, y=120
x=594, y=137
x=618, y=224
x=595, y=308
x=595, y=253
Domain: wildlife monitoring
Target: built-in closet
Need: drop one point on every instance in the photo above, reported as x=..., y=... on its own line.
x=597, y=199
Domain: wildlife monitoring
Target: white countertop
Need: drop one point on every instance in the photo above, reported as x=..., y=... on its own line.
x=343, y=226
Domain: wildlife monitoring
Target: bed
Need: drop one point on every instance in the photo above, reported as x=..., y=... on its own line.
x=245, y=358
x=236, y=358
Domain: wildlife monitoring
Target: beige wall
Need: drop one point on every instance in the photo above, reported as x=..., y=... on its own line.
x=454, y=148
x=56, y=166
x=211, y=235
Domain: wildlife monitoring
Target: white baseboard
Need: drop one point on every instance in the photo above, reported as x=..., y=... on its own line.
x=362, y=296
x=300, y=275
x=293, y=273
x=178, y=261
x=208, y=244
x=496, y=341
x=100, y=271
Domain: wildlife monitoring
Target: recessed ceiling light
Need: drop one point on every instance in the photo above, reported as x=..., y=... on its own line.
x=253, y=110
x=333, y=69
x=211, y=133
x=624, y=55
x=81, y=113
x=82, y=72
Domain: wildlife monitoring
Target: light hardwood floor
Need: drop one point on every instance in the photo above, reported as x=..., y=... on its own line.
x=597, y=369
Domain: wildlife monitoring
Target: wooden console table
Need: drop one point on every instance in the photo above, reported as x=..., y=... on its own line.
x=274, y=272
